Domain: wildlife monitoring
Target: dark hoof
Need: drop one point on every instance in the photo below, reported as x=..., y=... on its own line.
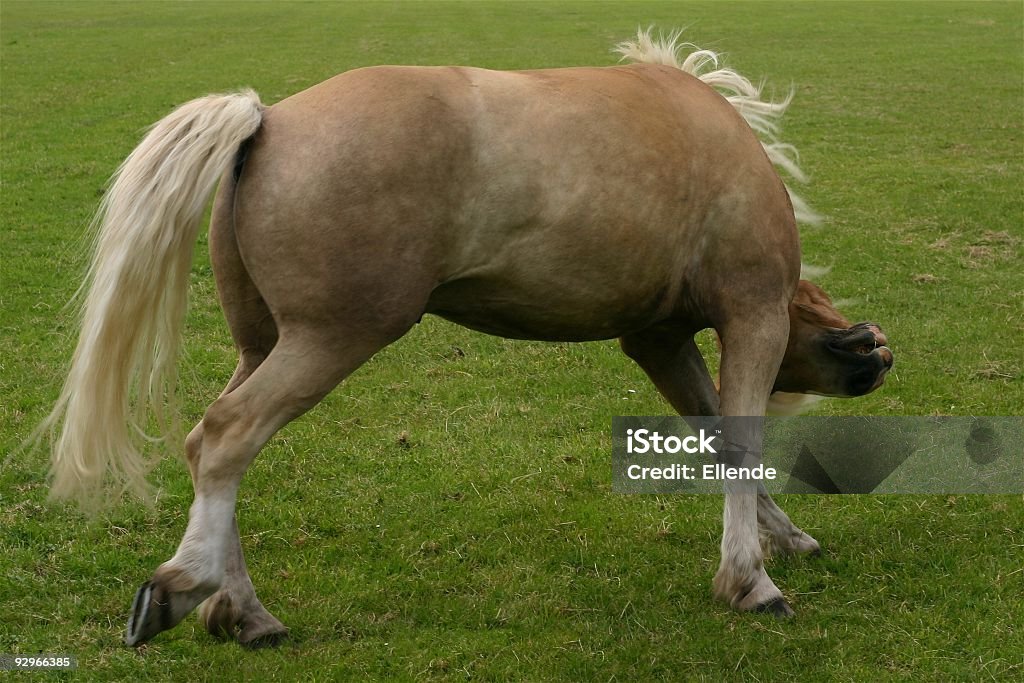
x=258, y=642
x=245, y=621
x=778, y=608
x=219, y=616
x=151, y=613
x=157, y=609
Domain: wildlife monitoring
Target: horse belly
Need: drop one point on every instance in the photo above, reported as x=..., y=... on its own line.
x=592, y=269
x=519, y=309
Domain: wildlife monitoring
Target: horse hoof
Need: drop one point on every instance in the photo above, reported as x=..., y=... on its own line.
x=806, y=545
x=259, y=637
x=219, y=615
x=156, y=608
x=150, y=614
x=778, y=608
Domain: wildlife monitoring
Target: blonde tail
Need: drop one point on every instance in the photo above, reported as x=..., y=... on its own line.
x=136, y=288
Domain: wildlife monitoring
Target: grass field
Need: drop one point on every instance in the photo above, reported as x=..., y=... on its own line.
x=447, y=513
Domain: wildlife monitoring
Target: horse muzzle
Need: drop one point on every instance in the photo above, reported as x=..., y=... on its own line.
x=863, y=349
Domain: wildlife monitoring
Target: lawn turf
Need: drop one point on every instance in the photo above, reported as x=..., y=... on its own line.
x=446, y=513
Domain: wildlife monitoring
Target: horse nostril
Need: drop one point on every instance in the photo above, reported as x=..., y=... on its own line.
x=880, y=338
x=886, y=357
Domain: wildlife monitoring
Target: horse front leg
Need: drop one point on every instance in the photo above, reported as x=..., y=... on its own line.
x=675, y=365
x=753, y=346
x=673, y=362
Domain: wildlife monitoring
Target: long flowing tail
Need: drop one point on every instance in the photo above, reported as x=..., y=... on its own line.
x=761, y=115
x=123, y=369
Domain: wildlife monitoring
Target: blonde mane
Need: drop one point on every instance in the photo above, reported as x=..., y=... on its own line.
x=761, y=115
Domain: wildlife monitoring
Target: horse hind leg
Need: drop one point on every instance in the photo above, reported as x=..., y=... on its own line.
x=301, y=369
x=282, y=373
x=235, y=611
x=778, y=535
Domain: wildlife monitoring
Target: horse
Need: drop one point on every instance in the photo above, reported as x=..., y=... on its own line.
x=635, y=202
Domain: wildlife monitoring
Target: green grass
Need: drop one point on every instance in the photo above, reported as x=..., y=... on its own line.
x=486, y=544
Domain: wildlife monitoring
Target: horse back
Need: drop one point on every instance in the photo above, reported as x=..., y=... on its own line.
x=612, y=193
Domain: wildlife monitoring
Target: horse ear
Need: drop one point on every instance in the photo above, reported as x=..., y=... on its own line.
x=816, y=307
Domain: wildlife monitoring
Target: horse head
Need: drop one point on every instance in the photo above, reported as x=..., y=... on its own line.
x=827, y=355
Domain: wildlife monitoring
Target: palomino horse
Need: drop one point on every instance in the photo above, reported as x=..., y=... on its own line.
x=632, y=202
